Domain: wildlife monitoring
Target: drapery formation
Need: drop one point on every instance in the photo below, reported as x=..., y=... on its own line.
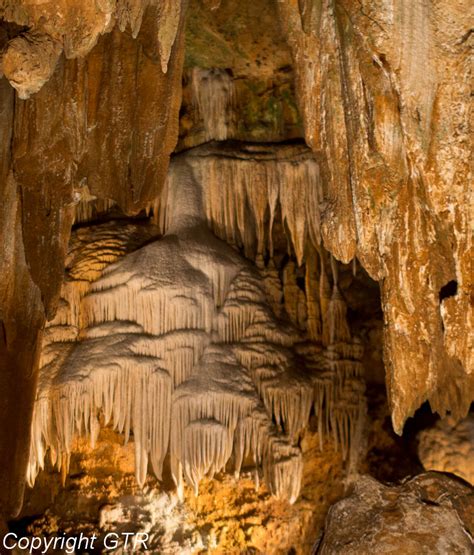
x=176, y=342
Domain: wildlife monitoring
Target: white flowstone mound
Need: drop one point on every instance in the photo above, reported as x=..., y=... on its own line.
x=176, y=343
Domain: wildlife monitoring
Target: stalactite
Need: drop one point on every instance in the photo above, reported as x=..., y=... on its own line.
x=88, y=210
x=213, y=91
x=273, y=287
x=312, y=297
x=130, y=13
x=324, y=299
x=169, y=12
x=243, y=190
x=337, y=309
x=295, y=301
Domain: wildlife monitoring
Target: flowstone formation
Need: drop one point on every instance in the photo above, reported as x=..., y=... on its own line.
x=176, y=342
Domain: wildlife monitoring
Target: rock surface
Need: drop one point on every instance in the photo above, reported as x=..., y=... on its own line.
x=383, y=92
x=29, y=62
x=102, y=126
x=429, y=514
x=449, y=447
x=238, y=81
x=228, y=516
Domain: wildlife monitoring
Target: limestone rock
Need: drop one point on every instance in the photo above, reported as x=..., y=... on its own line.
x=75, y=26
x=108, y=123
x=449, y=447
x=429, y=514
x=29, y=62
x=228, y=516
x=190, y=379
x=383, y=91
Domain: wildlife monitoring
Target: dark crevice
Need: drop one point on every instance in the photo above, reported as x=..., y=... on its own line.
x=450, y=289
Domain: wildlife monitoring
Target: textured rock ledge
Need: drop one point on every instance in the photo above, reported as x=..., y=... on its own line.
x=429, y=514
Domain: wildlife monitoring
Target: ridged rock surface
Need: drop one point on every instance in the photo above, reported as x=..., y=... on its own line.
x=383, y=91
x=100, y=126
x=431, y=513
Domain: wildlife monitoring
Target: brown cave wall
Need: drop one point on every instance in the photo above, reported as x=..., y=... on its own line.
x=383, y=93
x=102, y=126
x=246, y=73
x=21, y=320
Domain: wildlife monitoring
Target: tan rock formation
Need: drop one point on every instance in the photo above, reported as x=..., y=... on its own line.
x=449, y=447
x=176, y=343
x=75, y=27
x=29, y=62
x=428, y=514
x=108, y=122
x=246, y=72
x=384, y=92
x=228, y=516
